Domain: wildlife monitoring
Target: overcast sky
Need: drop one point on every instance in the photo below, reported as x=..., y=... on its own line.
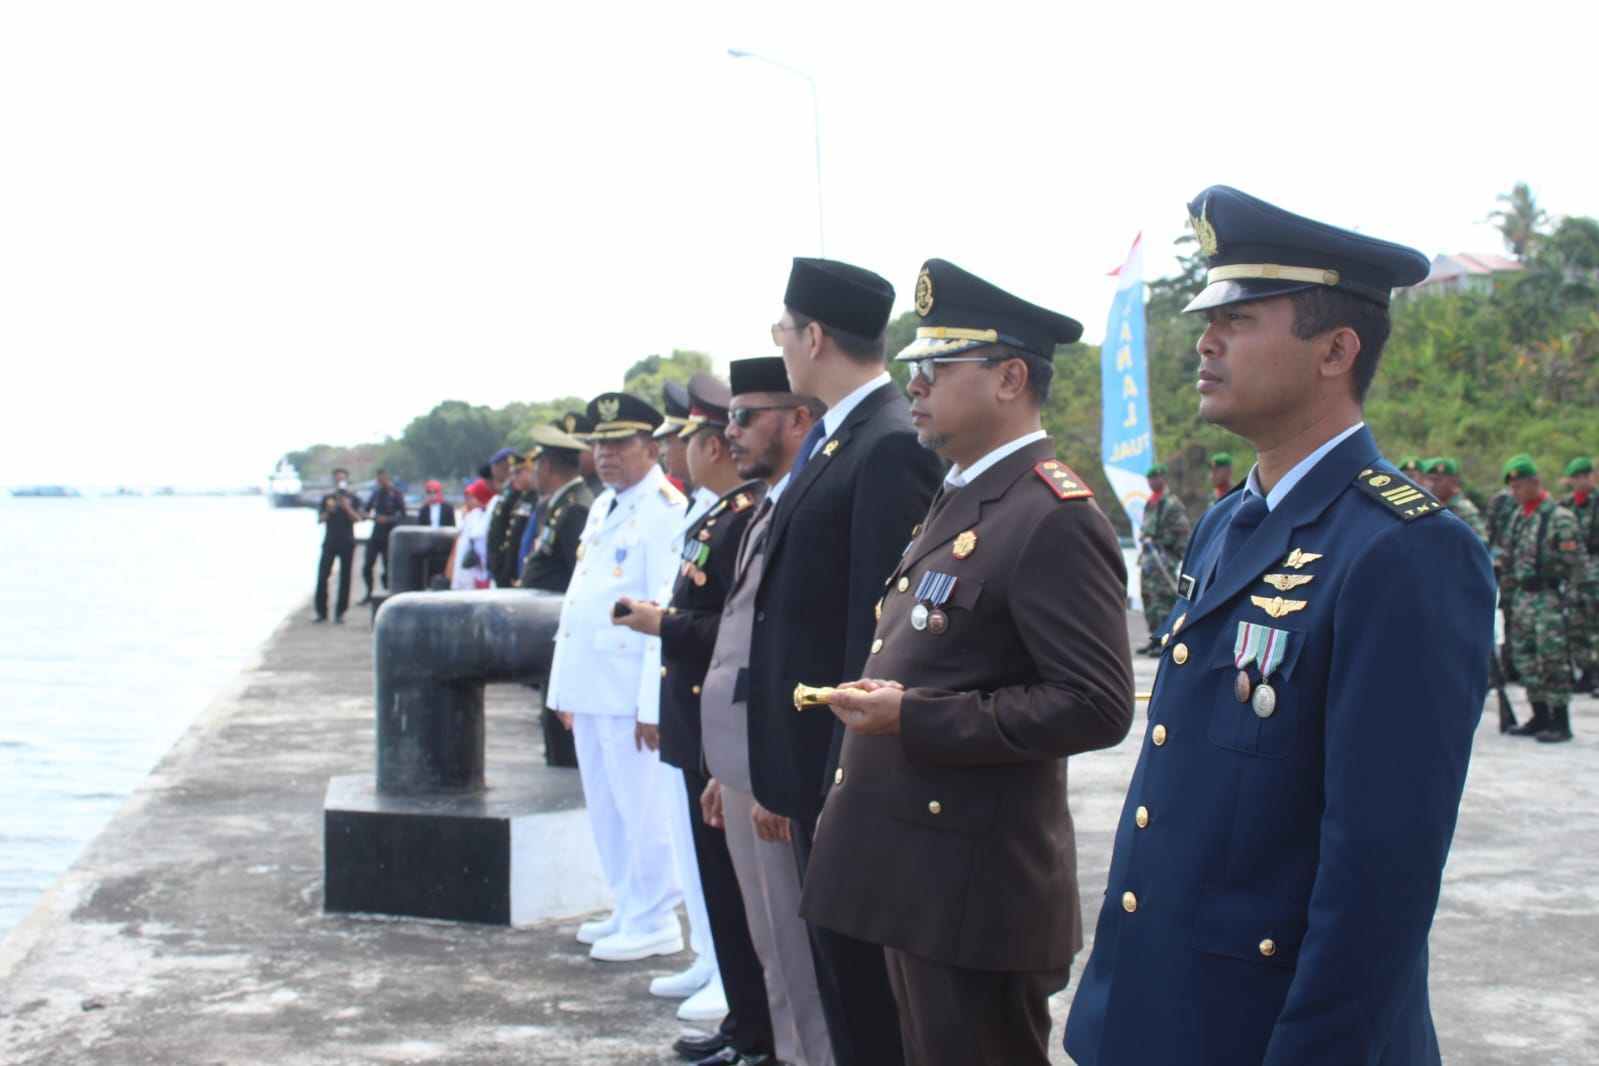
x=228, y=230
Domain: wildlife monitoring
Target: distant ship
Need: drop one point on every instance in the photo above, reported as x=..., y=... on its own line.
x=54, y=491
x=283, y=487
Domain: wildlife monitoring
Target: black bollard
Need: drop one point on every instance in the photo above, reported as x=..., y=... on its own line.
x=416, y=553
x=433, y=653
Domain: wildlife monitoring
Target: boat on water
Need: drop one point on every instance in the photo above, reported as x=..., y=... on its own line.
x=284, y=486
x=48, y=491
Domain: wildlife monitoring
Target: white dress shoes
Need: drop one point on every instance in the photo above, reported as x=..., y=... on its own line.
x=630, y=947
x=709, y=1004
x=684, y=984
x=598, y=929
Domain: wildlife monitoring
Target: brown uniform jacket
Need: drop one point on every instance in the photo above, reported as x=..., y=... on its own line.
x=952, y=841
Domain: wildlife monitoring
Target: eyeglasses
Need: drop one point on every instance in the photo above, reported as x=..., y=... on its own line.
x=743, y=416
x=778, y=329
x=925, y=368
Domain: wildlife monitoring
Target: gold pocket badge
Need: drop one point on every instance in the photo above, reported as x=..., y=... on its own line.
x=965, y=544
x=1300, y=558
x=1288, y=582
x=1276, y=606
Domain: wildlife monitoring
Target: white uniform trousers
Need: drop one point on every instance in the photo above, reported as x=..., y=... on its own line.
x=768, y=879
x=688, y=873
x=629, y=794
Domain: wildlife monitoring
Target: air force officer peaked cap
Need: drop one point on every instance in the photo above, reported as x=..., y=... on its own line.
x=1255, y=250
x=959, y=310
x=836, y=294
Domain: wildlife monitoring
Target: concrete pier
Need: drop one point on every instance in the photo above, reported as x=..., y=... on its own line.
x=192, y=930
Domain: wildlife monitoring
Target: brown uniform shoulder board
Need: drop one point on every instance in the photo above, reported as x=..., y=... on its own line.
x=1405, y=499
x=1062, y=480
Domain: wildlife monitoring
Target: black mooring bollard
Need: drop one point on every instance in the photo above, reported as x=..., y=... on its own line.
x=433, y=653
x=416, y=553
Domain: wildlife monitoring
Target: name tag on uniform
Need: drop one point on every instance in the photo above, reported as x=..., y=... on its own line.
x=1185, y=586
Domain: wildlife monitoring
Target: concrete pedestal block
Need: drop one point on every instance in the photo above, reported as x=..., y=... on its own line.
x=510, y=855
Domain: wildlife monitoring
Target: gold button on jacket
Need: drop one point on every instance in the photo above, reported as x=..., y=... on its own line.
x=838, y=776
x=1159, y=735
x=1141, y=816
x=1268, y=947
x=904, y=584
x=1129, y=902
x=935, y=807
x=1179, y=654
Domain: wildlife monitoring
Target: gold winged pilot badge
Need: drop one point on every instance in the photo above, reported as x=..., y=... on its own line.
x=1276, y=606
x=1299, y=558
x=1288, y=582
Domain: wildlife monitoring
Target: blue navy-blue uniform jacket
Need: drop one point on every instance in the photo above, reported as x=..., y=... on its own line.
x=1274, y=878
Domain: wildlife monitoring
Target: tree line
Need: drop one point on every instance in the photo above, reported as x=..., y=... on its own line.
x=1480, y=374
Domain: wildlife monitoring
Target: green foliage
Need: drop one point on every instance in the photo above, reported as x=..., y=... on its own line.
x=647, y=378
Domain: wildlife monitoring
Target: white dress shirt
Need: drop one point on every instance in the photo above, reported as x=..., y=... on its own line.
x=959, y=478
x=1297, y=474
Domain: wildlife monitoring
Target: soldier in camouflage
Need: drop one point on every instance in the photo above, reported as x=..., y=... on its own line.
x=1544, y=562
x=1585, y=603
x=1163, y=537
x=1501, y=509
x=1443, y=478
x=1221, y=477
x=511, y=517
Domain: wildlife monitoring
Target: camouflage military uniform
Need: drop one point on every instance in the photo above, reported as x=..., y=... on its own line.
x=1164, y=536
x=1544, y=559
x=1501, y=510
x=1469, y=513
x=1583, y=602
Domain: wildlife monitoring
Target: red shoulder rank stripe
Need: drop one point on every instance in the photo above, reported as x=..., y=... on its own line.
x=1062, y=480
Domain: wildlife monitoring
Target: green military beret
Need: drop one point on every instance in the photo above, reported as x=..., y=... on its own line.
x=1441, y=465
x=1221, y=459
x=1409, y=462
x=1580, y=465
x=1158, y=470
x=1520, y=466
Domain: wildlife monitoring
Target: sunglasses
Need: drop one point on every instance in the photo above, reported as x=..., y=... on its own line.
x=927, y=368
x=743, y=416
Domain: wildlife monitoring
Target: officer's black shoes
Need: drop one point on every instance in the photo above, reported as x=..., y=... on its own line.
x=730, y=1056
x=365, y=600
x=1534, y=725
x=338, y=619
x=695, y=1048
x=319, y=619
x=1559, y=729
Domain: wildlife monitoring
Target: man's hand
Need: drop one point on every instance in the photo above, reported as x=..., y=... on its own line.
x=566, y=719
x=711, y=805
x=869, y=706
x=646, y=736
x=643, y=617
x=772, y=828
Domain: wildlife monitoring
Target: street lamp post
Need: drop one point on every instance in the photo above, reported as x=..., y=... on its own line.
x=816, y=125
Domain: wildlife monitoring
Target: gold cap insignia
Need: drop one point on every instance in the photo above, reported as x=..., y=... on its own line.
x=1288, y=582
x=965, y=544
x=924, y=293
x=569, y=423
x=830, y=447
x=608, y=408
x=1299, y=558
x=1276, y=606
x=1208, y=244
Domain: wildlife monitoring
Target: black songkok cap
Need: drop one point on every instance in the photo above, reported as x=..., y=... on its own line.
x=763, y=374
x=840, y=295
x=1255, y=250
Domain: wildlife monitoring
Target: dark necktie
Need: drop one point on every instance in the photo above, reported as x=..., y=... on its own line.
x=754, y=536
x=608, y=510
x=807, y=446
x=945, y=492
x=1251, y=512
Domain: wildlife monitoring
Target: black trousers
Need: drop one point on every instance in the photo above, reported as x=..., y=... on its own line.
x=852, y=978
x=345, y=554
x=749, y=1022
x=559, y=747
x=955, y=1017
x=376, y=548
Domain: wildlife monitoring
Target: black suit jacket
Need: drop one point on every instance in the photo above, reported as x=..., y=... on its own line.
x=561, y=519
x=446, y=514
x=837, y=531
x=688, y=630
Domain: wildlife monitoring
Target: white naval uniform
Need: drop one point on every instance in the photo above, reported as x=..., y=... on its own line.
x=608, y=677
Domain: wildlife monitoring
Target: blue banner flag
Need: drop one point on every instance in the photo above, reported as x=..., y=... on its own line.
x=1127, y=436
